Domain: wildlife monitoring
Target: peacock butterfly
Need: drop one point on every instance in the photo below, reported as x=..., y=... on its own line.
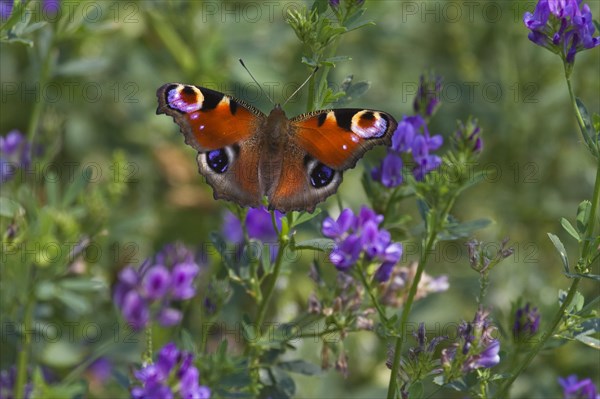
x=245, y=155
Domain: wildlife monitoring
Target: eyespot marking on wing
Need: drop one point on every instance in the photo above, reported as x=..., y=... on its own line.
x=369, y=124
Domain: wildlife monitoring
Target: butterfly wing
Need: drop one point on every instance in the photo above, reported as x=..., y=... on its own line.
x=224, y=132
x=323, y=145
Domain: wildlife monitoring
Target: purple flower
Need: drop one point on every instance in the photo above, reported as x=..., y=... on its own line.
x=147, y=293
x=156, y=282
x=6, y=7
x=405, y=133
x=258, y=223
x=337, y=228
x=467, y=137
x=474, y=349
x=182, y=283
x=8, y=379
x=389, y=173
x=51, y=6
x=575, y=389
x=14, y=154
x=135, y=310
x=360, y=235
x=173, y=373
x=100, y=370
x=168, y=317
x=489, y=357
x=411, y=137
x=562, y=27
x=427, y=100
x=346, y=253
x=527, y=322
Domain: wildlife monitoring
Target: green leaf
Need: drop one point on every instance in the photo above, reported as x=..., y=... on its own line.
x=423, y=210
x=78, y=303
x=332, y=60
x=309, y=61
x=76, y=187
x=589, y=341
x=19, y=13
x=303, y=217
x=415, y=390
x=283, y=382
x=10, y=208
x=594, y=277
x=583, y=216
x=588, y=328
x=320, y=6
x=317, y=244
x=576, y=303
x=570, y=229
x=81, y=284
x=588, y=131
x=300, y=367
x=561, y=251
x=187, y=341
x=596, y=122
x=86, y=66
x=585, y=115
x=52, y=189
x=466, y=229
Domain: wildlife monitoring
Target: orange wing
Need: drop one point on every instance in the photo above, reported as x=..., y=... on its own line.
x=338, y=138
x=209, y=120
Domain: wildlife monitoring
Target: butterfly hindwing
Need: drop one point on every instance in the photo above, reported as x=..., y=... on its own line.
x=224, y=132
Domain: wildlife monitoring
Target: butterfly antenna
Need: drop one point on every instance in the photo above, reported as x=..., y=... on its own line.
x=256, y=81
x=301, y=86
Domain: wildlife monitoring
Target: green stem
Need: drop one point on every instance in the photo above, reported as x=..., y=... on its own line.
x=38, y=106
x=578, y=116
x=503, y=392
x=589, y=233
x=23, y=356
x=367, y=285
x=429, y=244
x=262, y=310
x=596, y=196
x=252, y=351
x=147, y=356
x=406, y=311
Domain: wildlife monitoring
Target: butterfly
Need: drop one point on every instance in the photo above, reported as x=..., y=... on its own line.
x=246, y=155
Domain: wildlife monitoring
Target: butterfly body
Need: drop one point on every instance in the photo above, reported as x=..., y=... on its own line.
x=246, y=155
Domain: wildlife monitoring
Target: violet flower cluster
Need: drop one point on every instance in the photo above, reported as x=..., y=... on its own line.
x=15, y=153
x=147, y=293
x=421, y=360
x=411, y=137
x=527, y=322
x=173, y=375
x=50, y=7
x=427, y=100
x=395, y=291
x=360, y=235
x=563, y=26
x=8, y=379
x=258, y=223
x=573, y=388
x=475, y=348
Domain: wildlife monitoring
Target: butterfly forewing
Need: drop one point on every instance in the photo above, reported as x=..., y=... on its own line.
x=339, y=138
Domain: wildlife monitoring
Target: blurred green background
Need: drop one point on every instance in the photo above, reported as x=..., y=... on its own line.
x=101, y=97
